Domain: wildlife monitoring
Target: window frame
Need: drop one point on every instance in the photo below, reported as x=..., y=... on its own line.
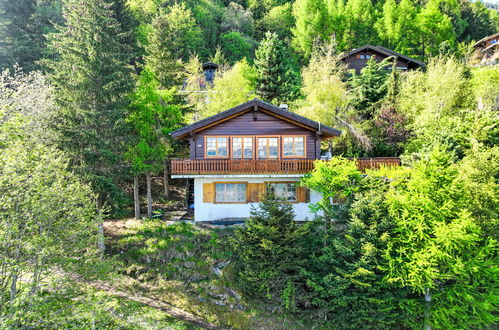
x=295, y=183
x=278, y=137
x=227, y=137
x=304, y=146
x=230, y=182
x=253, y=139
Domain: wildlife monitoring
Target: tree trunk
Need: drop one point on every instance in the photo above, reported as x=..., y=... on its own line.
x=166, y=181
x=13, y=288
x=427, y=298
x=100, y=223
x=136, y=200
x=149, y=195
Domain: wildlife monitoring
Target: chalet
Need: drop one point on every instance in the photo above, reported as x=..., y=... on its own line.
x=486, y=50
x=357, y=59
x=239, y=153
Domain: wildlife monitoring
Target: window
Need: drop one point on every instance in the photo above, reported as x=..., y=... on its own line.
x=242, y=147
x=230, y=192
x=357, y=56
x=294, y=146
x=285, y=191
x=216, y=146
x=362, y=56
x=268, y=147
x=368, y=56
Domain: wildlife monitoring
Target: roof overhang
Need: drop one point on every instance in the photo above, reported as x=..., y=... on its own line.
x=256, y=105
x=384, y=51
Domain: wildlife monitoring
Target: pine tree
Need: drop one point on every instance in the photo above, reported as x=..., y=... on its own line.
x=92, y=76
x=269, y=251
x=275, y=79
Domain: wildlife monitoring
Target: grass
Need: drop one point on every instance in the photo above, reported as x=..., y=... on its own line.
x=174, y=263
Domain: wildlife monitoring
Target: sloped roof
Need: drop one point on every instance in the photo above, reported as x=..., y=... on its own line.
x=385, y=51
x=248, y=106
x=486, y=38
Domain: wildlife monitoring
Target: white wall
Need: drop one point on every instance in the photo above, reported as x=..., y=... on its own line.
x=211, y=211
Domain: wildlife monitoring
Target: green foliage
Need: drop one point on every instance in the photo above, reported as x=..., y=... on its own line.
x=48, y=216
x=345, y=280
x=311, y=23
x=443, y=109
x=323, y=87
x=436, y=246
x=369, y=87
x=236, y=46
x=86, y=309
x=154, y=114
x=173, y=37
x=22, y=31
x=92, y=79
x=337, y=180
x=236, y=18
x=275, y=79
x=232, y=87
x=279, y=20
x=479, y=174
x=268, y=253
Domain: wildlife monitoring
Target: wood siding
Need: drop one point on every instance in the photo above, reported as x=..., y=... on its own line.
x=358, y=64
x=253, y=124
x=267, y=166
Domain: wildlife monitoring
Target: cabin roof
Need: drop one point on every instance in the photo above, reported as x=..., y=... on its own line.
x=210, y=65
x=486, y=39
x=326, y=131
x=384, y=51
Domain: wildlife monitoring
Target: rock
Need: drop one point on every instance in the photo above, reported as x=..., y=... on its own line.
x=233, y=294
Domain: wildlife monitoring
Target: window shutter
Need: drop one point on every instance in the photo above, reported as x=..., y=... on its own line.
x=261, y=191
x=253, y=193
x=302, y=195
x=208, y=192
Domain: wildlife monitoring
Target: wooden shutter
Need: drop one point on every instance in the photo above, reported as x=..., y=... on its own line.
x=252, y=196
x=256, y=191
x=261, y=191
x=302, y=195
x=208, y=192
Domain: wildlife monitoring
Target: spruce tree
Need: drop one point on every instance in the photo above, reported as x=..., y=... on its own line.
x=275, y=79
x=92, y=76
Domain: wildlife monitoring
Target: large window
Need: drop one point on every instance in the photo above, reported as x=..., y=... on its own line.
x=294, y=146
x=230, y=192
x=242, y=147
x=216, y=146
x=268, y=147
x=283, y=191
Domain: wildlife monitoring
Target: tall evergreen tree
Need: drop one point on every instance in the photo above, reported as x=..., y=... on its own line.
x=275, y=79
x=92, y=76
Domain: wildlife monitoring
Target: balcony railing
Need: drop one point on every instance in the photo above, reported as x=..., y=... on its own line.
x=264, y=166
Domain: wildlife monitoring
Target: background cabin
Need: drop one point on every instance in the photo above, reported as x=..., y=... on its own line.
x=357, y=59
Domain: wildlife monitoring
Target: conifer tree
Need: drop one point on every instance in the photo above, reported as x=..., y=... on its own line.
x=275, y=79
x=92, y=76
x=311, y=18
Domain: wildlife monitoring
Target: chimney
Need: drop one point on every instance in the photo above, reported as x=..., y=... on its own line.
x=284, y=107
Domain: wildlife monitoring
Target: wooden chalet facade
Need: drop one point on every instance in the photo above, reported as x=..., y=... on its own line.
x=239, y=153
x=486, y=51
x=357, y=59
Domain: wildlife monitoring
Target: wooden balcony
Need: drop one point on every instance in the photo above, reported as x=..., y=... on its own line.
x=266, y=166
